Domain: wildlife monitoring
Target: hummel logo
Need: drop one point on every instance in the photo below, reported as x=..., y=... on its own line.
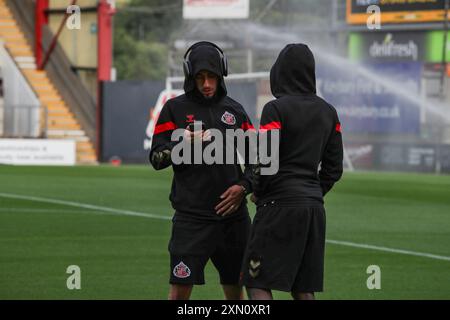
x=190, y=118
x=253, y=274
x=254, y=264
x=253, y=270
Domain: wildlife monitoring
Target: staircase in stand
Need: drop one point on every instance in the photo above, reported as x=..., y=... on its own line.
x=60, y=122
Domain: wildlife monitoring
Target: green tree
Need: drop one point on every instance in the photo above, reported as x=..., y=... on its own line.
x=142, y=32
x=139, y=60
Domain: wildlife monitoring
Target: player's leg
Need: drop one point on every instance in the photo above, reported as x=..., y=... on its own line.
x=303, y=295
x=228, y=256
x=233, y=292
x=275, y=249
x=259, y=294
x=309, y=277
x=180, y=291
x=186, y=271
x=188, y=257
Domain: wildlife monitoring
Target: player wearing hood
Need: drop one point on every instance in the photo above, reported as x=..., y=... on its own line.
x=211, y=219
x=286, y=247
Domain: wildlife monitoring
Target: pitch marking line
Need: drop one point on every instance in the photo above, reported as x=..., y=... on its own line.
x=161, y=217
x=85, y=206
x=400, y=251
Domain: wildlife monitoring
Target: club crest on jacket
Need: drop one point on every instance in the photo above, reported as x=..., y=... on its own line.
x=228, y=118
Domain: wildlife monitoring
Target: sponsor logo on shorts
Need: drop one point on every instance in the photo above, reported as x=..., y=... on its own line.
x=181, y=270
x=228, y=118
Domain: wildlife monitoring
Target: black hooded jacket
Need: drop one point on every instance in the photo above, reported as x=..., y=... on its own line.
x=196, y=188
x=310, y=133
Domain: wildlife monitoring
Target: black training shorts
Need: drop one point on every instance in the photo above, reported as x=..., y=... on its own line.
x=193, y=243
x=286, y=249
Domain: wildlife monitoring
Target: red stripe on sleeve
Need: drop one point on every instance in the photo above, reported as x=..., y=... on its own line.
x=247, y=126
x=338, y=127
x=166, y=126
x=270, y=126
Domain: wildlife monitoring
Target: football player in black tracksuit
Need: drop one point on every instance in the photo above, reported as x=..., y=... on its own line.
x=211, y=219
x=287, y=242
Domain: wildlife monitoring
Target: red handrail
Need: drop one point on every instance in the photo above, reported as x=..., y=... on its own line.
x=42, y=65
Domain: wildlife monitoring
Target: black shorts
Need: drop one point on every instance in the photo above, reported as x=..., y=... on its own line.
x=286, y=249
x=193, y=243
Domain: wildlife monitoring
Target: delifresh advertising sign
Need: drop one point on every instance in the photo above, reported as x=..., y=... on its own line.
x=387, y=46
x=426, y=46
x=434, y=46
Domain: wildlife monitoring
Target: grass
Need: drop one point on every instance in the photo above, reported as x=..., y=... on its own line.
x=126, y=257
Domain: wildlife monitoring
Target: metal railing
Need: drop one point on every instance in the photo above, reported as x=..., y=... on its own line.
x=24, y=121
x=21, y=112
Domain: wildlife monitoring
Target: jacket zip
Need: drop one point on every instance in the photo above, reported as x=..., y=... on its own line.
x=211, y=116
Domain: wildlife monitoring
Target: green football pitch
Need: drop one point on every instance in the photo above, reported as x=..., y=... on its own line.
x=114, y=223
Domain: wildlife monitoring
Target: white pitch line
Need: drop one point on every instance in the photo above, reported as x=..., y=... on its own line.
x=33, y=210
x=161, y=217
x=400, y=251
x=85, y=206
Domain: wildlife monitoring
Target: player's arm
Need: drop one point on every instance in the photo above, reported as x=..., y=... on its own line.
x=331, y=165
x=232, y=198
x=270, y=121
x=160, y=153
x=250, y=155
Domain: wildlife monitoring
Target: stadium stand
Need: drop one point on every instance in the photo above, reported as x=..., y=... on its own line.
x=60, y=92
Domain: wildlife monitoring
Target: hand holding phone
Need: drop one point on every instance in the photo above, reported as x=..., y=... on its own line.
x=194, y=131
